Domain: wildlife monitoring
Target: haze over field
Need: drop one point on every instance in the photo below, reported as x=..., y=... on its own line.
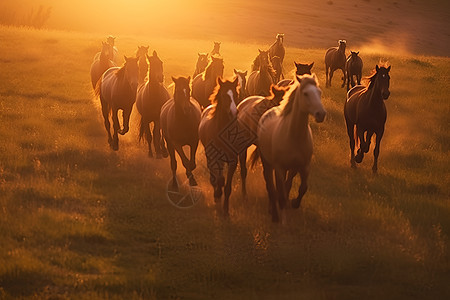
x=408, y=26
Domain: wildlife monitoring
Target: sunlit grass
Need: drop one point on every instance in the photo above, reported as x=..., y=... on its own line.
x=78, y=220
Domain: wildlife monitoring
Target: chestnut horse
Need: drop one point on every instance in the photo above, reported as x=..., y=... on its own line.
x=335, y=59
x=216, y=122
x=180, y=117
x=103, y=63
x=117, y=90
x=365, y=113
x=204, y=83
x=353, y=67
x=202, y=62
x=277, y=48
x=285, y=141
x=241, y=76
x=260, y=80
x=150, y=98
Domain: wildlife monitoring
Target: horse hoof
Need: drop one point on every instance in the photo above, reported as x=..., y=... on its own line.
x=122, y=131
x=295, y=203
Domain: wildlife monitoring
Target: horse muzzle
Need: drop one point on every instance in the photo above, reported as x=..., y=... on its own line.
x=320, y=116
x=386, y=94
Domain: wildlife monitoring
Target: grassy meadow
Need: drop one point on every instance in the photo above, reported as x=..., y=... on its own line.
x=80, y=221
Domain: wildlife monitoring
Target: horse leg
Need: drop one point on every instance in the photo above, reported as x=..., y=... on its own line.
x=105, y=112
x=216, y=178
x=192, y=164
x=230, y=172
x=304, y=173
x=270, y=186
x=163, y=147
x=157, y=139
x=348, y=82
x=173, y=166
x=148, y=137
x=351, y=137
x=353, y=80
x=290, y=177
x=326, y=75
x=330, y=76
x=116, y=127
x=243, y=165
x=376, y=151
x=186, y=164
x=126, y=121
x=358, y=78
x=362, y=144
x=280, y=180
x=368, y=140
x=343, y=77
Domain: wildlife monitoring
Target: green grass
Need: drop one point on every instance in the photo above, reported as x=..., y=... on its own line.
x=78, y=220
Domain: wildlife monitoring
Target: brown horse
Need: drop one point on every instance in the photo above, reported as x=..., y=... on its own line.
x=259, y=81
x=204, y=83
x=99, y=66
x=217, y=121
x=141, y=54
x=202, y=62
x=285, y=141
x=117, y=90
x=241, y=76
x=278, y=67
x=300, y=69
x=112, y=52
x=365, y=113
x=277, y=48
x=250, y=111
x=353, y=67
x=216, y=50
x=335, y=59
x=150, y=98
x=180, y=117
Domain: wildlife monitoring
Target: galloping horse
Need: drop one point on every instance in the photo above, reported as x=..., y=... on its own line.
x=202, y=62
x=117, y=90
x=241, y=76
x=204, y=83
x=216, y=50
x=300, y=69
x=277, y=48
x=250, y=111
x=219, y=117
x=141, y=54
x=180, y=117
x=112, y=52
x=259, y=81
x=365, y=110
x=278, y=67
x=99, y=66
x=150, y=98
x=335, y=58
x=285, y=141
x=353, y=67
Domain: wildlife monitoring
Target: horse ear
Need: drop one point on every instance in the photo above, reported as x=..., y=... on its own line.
x=126, y=58
x=357, y=53
x=189, y=79
x=298, y=78
x=220, y=81
x=295, y=63
x=199, y=54
x=377, y=68
x=260, y=51
x=235, y=72
x=174, y=79
x=389, y=68
x=311, y=65
x=245, y=73
x=154, y=53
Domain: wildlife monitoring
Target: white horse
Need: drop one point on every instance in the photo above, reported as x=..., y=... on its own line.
x=285, y=141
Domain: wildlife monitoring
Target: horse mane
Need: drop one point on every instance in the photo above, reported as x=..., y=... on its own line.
x=288, y=99
x=208, y=70
x=372, y=77
x=120, y=73
x=214, y=101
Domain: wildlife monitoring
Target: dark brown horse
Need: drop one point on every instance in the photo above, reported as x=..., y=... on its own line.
x=180, y=117
x=117, y=90
x=150, y=98
x=216, y=50
x=365, y=113
x=300, y=69
x=102, y=64
x=335, y=59
x=353, y=67
x=260, y=80
x=277, y=48
x=216, y=122
x=278, y=67
x=250, y=111
x=241, y=76
x=202, y=63
x=204, y=83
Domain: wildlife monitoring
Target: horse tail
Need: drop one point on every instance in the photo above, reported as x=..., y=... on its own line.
x=254, y=158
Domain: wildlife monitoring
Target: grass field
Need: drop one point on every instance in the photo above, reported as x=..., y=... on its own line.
x=78, y=220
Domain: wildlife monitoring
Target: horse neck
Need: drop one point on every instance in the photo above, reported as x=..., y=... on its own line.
x=296, y=121
x=374, y=94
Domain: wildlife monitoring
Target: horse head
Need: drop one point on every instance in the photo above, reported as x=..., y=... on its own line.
x=155, y=68
x=241, y=76
x=216, y=48
x=263, y=57
x=182, y=93
x=382, y=80
x=215, y=67
x=105, y=49
x=354, y=54
x=342, y=45
x=277, y=93
x=280, y=38
x=142, y=51
x=225, y=97
x=110, y=40
x=131, y=71
x=303, y=69
x=311, y=95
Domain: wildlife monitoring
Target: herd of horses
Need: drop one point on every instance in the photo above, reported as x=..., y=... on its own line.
x=264, y=109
